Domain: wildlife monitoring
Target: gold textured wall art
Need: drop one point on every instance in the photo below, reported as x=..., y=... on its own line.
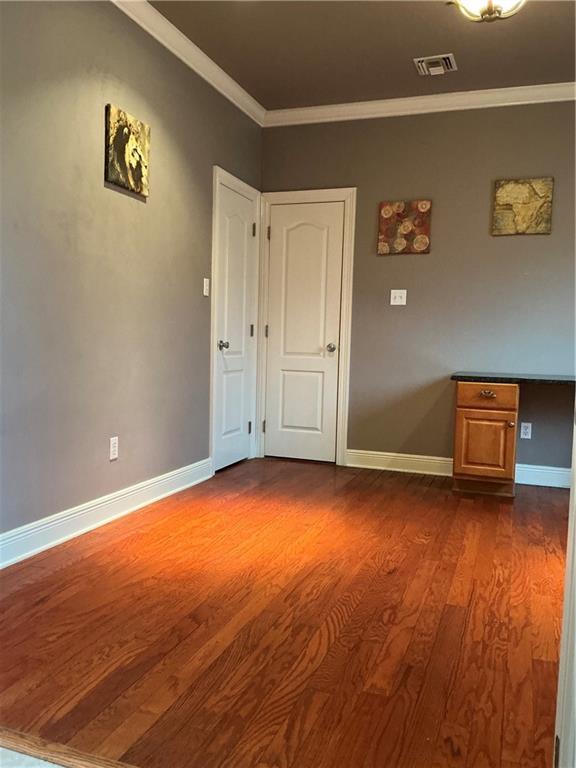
x=523, y=206
x=127, y=151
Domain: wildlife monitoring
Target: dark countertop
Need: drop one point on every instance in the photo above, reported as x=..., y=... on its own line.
x=513, y=378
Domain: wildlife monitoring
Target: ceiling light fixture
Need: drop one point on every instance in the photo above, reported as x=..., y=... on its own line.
x=489, y=10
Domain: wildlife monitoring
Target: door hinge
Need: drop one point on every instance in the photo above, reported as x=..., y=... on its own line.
x=249, y=427
x=266, y=330
x=254, y=229
x=251, y=329
x=269, y=232
x=264, y=426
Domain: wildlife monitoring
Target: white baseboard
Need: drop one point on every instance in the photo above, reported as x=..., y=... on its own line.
x=550, y=477
x=399, y=462
x=526, y=474
x=28, y=540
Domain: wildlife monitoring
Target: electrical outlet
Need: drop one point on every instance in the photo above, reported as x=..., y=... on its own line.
x=398, y=296
x=526, y=430
x=206, y=286
x=113, y=448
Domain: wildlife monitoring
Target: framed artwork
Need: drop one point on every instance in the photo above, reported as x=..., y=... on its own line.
x=523, y=206
x=127, y=151
x=404, y=227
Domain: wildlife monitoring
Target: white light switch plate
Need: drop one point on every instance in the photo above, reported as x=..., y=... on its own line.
x=206, y=287
x=113, y=448
x=398, y=296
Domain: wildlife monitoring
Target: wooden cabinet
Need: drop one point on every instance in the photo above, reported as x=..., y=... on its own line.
x=485, y=437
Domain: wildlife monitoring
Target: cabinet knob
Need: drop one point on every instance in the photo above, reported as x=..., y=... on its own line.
x=511, y=423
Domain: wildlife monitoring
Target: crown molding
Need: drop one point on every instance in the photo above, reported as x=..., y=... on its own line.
x=419, y=105
x=151, y=20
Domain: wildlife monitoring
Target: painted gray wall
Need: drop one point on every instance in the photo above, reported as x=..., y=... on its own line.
x=475, y=302
x=104, y=327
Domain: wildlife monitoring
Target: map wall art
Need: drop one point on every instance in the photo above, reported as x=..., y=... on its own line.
x=404, y=227
x=523, y=206
x=127, y=151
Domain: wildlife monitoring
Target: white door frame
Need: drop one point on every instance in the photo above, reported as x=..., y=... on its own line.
x=223, y=178
x=346, y=195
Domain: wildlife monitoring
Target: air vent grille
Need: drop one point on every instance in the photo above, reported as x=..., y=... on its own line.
x=436, y=65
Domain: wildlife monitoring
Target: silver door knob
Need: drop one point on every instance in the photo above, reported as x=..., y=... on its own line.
x=511, y=423
x=223, y=345
x=331, y=347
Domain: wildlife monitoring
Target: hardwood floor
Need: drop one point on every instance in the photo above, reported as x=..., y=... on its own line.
x=296, y=615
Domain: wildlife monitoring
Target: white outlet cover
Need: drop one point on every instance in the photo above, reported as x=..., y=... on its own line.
x=113, y=448
x=206, y=286
x=398, y=296
x=526, y=430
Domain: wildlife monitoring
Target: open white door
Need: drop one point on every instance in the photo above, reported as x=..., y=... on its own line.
x=304, y=296
x=235, y=311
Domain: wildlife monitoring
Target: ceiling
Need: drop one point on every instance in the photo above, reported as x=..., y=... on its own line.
x=307, y=53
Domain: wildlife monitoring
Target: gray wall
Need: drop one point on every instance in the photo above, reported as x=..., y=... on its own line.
x=475, y=302
x=104, y=327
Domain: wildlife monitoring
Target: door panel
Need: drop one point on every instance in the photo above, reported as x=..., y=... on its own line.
x=485, y=443
x=305, y=278
x=301, y=399
x=304, y=285
x=235, y=286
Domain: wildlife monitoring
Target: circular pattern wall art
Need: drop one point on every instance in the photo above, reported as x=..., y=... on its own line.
x=404, y=227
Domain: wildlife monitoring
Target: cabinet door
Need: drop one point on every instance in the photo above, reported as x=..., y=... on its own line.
x=485, y=444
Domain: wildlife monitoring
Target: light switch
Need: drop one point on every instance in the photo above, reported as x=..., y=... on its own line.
x=206, y=289
x=398, y=296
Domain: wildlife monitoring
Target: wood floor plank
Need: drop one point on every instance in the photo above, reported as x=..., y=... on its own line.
x=295, y=615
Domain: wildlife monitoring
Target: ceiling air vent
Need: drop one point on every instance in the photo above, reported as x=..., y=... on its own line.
x=436, y=65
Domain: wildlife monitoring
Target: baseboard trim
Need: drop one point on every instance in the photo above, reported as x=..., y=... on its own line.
x=28, y=540
x=550, y=477
x=526, y=474
x=399, y=462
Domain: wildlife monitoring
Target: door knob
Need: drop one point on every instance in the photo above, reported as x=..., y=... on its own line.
x=511, y=423
x=331, y=347
x=223, y=345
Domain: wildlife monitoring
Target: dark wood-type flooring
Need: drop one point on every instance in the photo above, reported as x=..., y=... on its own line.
x=296, y=615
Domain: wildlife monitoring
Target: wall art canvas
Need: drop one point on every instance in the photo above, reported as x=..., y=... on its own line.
x=404, y=227
x=127, y=151
x=523, y=206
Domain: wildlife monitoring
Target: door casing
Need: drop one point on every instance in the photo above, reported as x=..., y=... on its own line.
x=346, y=195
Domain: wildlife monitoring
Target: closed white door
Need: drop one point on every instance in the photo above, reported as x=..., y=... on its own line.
x=305, y=280
x=235, y=276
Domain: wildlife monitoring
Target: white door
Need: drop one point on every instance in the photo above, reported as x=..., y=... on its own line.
x=235, y=277
x=305, y=280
